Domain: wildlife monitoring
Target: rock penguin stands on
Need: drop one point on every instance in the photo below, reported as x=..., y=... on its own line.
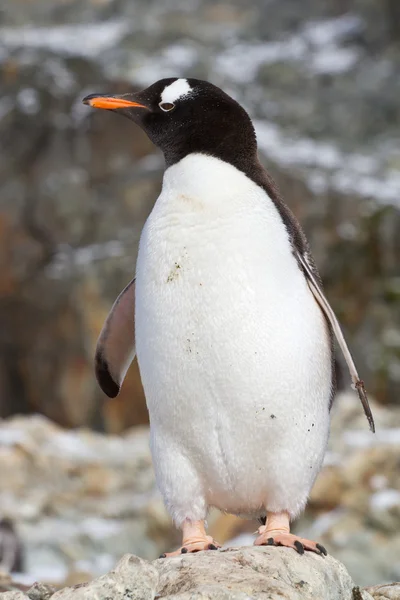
x=233, y=333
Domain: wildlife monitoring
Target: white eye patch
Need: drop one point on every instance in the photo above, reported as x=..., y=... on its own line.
x=175, y=90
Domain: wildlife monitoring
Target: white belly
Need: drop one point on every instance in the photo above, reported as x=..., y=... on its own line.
x=232, y=347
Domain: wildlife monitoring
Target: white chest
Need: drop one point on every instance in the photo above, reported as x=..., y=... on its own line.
x=211, y=221
x=218, y=289
x=229, y=338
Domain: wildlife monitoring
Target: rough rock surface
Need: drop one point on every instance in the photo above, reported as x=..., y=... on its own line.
x=79, y=500
x=389, y=591
x=234, y=574
x=132, y=578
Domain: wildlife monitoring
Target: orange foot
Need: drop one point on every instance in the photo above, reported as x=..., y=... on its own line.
x=279, y=538
x=194, y=540
x=276, y=532
x=194, y=545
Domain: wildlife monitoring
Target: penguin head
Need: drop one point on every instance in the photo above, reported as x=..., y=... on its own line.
x=183, y=116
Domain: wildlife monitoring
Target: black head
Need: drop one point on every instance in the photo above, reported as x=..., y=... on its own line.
x=182, y=116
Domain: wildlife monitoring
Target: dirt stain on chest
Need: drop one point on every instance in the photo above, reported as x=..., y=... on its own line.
x=191, y=202
x=174, y=273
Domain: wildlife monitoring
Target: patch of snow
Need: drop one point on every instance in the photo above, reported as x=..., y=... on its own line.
x=86, y=39
x=67, y=444
x=332, y=31
x=317, y=182
x=27, y=579
x=94, y=252
x=302, y=151
x=67, y=258
x=316, y=48
x=324, y=522
x=334, y=60
x=11, y=437
x=364, y=439
x=385, y=499
x=99, y=529
x=62, y=78
x=174, y=61
x=328, y=166
x=180, y=56
x=361, y=163
x=383, y=188
x=28, y=101
x=48, y=574
x=241, y=62
x=243, y=539
x=97, y=565
x=378, y=482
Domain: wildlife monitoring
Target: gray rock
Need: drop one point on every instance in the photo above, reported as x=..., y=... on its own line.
x=247, y=573
x=132, y=579
x=14, y=596
x=270, y=573
x=387, y=591
x=79, y=500
x=40, y=591
x=236, y=574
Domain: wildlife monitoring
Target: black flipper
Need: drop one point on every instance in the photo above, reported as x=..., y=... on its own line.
x=115, y=348
x=331, y=317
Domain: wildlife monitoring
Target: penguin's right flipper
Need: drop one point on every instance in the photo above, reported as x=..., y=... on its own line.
x=115, y=348
x=331, y=317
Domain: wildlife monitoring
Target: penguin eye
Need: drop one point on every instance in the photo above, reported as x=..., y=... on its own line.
x=166, y=106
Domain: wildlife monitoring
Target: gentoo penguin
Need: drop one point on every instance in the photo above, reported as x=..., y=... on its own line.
x=233, y=333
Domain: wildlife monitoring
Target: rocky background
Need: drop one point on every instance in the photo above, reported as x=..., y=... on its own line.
x=322, y=80
x=79, y=500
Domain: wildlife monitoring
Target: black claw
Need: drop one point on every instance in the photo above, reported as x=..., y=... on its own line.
x=162, y=556
x=184, y=550
x=270, y=542
x=299, y=547
x=212, y=547
x=321, y=549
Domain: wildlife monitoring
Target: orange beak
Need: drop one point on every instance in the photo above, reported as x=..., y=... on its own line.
x=110, y=102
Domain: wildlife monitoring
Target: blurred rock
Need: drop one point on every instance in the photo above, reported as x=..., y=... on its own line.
x=73, y=199
x=8, y=585
x=79, y=500
x=388, y=591
x=40, y=591
x=11, y=554
x=321, y=79
x=354, y=507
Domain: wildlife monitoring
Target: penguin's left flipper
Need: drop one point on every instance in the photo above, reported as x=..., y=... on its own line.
x=331, y=317
x=115, y=348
